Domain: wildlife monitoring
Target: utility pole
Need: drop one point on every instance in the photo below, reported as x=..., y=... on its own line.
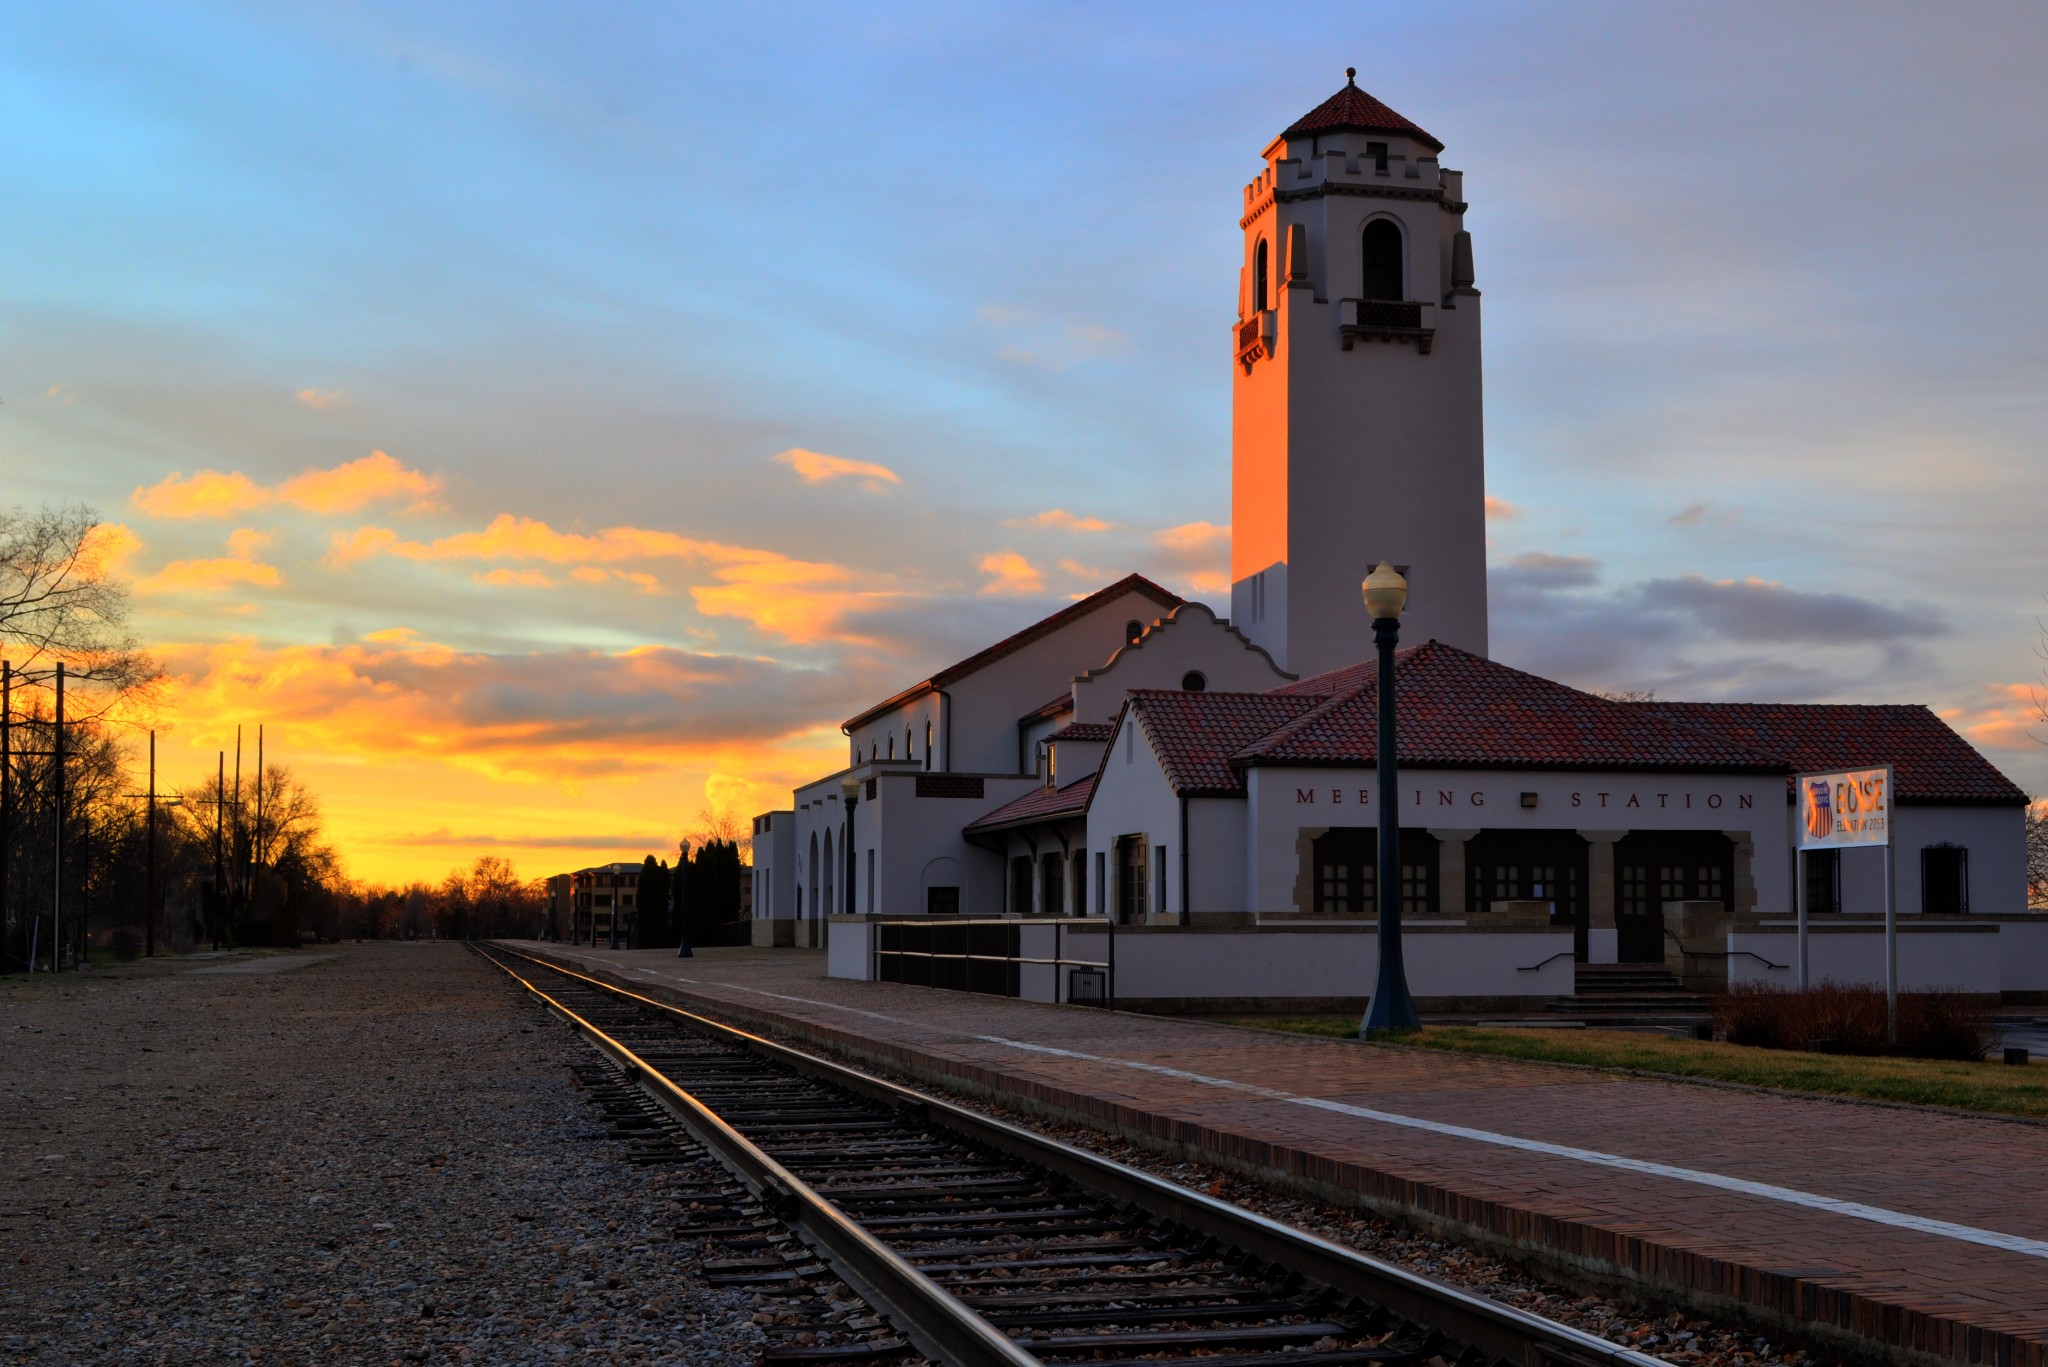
x=256, y=857
x=149, y=894
x=236, y=890
x=220, y=878
x=7, y=801
x=57, y=865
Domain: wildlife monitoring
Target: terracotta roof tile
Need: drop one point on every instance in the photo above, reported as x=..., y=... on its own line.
x=1040, y=804
x=1084, y=730
x=1455, y=709
x=1931, y=763
x=1353, y=108
x=1195, y=734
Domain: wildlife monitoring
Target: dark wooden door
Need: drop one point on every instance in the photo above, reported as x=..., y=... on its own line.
x=1655, y=867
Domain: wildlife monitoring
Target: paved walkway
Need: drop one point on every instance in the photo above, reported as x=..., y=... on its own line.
x=1909, y=1228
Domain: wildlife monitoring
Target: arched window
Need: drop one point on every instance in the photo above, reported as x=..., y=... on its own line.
x=1132, y=631
x=1193, y=681
x=1261, y=276
x=927, y=743
x=892, y=747
x=1383, y=273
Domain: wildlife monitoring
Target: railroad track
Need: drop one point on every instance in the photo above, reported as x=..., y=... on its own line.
x=987, y=1245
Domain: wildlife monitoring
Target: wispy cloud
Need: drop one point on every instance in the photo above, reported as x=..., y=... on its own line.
x=815, y=467
x=320, y=400
x=1500, y=510
x=210, y=576
x=1061, y=520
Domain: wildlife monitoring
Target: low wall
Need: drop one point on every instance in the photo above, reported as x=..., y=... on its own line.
x=1971, y=956
x=1218, y=968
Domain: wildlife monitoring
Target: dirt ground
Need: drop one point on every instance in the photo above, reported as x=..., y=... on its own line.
x=363, y=1153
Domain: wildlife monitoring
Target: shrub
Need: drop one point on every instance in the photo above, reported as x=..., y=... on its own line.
x=1842, y=1018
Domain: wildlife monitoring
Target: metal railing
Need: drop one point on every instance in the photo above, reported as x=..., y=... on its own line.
x=983, y=956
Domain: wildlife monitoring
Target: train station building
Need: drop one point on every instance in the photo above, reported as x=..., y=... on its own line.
x=1205, y=786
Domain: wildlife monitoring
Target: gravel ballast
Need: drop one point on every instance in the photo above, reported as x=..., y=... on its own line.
x=377, y=1157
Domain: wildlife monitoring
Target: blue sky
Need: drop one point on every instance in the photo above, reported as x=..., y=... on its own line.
x=1763, y=297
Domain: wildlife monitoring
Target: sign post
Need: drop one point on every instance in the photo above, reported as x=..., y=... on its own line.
x=1852, y=809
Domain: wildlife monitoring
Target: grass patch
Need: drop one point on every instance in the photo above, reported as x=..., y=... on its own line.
x=1996, y=1088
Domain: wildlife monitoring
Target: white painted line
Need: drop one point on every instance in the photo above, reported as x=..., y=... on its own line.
x=1855, y=1210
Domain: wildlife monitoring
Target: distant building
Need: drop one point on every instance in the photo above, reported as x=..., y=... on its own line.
x=596, y=896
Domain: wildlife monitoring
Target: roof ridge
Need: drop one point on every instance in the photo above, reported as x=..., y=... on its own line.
x=1017, y=640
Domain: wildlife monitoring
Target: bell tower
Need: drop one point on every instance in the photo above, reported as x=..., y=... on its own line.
x=1356, y=427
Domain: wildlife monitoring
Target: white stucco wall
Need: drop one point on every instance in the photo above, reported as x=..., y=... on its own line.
x=984, y=707
x=1132, y=797
x=1283, y=802
x=774, y=861
x=1964, y=956
x=1193, y=638
x=1269, y=963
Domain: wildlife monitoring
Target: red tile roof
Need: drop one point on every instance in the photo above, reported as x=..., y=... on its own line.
x=1353, y=108
x=1084, y=730
x=1930, y=762
x=1040, y=804
x=1455, y=709
x=1009, y=645
x=1195, y=734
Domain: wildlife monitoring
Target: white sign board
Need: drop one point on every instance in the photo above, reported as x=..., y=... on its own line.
x=1845, y=810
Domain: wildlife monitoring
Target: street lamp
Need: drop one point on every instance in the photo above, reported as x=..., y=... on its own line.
x=1386, y=593
x=849, y=793
x=679, y=899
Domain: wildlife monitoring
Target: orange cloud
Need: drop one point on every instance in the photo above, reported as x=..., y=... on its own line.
x=797, y=600
x=1010, y=573
x=375, y=478
x=1500, y=510
x=109, y=547
x=1194, y=536
x=1063, y=520
x=511, y=537
x=319, y=399
x=244, y=542
x=527, y=579
x=816, y=468
x=2009, y=718
x=208, y=493
x=538, y=717
x=346, y=548
x=210, y=576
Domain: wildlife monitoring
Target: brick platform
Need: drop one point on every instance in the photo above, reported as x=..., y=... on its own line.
x=1863, y=1225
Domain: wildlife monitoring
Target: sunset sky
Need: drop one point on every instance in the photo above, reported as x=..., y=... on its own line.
x=552, y=420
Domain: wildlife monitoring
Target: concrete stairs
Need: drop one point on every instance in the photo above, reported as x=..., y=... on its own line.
x=1628, y=990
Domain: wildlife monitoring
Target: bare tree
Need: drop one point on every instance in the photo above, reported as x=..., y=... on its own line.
x=2037, y=855
x=60, y=602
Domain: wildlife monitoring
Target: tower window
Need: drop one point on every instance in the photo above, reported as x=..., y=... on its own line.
x=1193, y=681
x=1261, y=278
x=1383, y=274
x=1132, y=631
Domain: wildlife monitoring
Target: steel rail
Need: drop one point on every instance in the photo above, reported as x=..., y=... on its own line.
x=1502, y=1332
x=928, y=1315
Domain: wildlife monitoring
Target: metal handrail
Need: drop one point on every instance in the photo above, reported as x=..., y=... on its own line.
x=1561, y=954
x=1057, y=962
x=1719, y=953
